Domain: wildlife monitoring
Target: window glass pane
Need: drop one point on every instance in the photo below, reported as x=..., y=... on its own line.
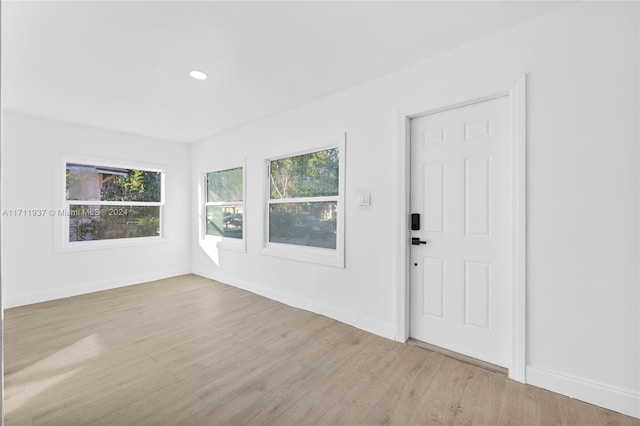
x=90, y=223
x=308, y=175
x=225, y=185
x=225, y=221
x=96, y=183
x=304, y=224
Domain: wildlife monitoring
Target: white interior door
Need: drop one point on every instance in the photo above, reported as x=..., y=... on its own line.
x=461, y=187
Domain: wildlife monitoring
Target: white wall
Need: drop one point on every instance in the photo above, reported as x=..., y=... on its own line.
x=32, y=270
x=583, y=323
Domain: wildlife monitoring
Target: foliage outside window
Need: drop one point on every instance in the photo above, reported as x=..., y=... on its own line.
x=303, y=201
x=224, y=204
x=110, y=203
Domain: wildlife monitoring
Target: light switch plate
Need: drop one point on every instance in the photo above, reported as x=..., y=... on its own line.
x=365, y=198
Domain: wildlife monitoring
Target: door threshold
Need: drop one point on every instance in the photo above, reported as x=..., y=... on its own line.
x=455, y=355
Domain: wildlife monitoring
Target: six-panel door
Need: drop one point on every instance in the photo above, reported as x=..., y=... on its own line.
x=461, y=186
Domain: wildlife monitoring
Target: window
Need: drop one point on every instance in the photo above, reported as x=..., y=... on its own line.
x=112, y=203
x=224, y=206
x=305, y=217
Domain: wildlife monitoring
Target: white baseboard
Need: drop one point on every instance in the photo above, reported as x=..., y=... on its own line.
x=375, y=326
x=11, y=301
x=620, y=400
x=348, y=317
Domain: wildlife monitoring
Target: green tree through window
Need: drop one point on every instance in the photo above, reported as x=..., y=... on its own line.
x=107, y=203
x=136, y=185
x=308, y=175
x=303, y=202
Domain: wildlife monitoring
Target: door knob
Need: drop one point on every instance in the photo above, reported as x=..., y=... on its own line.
x=417, y=241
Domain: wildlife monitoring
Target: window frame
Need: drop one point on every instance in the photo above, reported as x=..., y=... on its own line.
x=323, y=256
x=63, y=205
x=233, y=244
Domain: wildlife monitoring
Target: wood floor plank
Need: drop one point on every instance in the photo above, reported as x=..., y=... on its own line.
x=331, y=389
x=320, y=359
x=402, y=397
x=440, y=401
x=486, y=411
x=16, y=402
x=78, y=392
x=169, y=405
x=109, y=402
x=346, y=408
x=192, y=351
x=517, y=406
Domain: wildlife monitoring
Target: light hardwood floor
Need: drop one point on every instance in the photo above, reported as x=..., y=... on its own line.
x=191, y=351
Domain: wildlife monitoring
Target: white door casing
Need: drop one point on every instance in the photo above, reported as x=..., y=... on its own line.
x=515, y=89
x=461, y=186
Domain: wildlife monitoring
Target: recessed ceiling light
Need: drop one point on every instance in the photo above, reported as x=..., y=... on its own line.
x=198, y=75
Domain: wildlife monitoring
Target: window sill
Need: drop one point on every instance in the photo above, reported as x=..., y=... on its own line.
x=221, y=243
x=320, y=256
x=79, y=246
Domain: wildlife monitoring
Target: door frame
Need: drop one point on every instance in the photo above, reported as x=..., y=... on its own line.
x=515, y=88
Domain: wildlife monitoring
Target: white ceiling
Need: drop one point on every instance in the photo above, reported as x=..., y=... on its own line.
x=124, y=65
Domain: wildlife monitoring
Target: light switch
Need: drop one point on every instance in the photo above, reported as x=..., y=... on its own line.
x=365, y=198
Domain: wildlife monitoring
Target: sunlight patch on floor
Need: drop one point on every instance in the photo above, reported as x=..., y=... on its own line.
x=44, y=375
